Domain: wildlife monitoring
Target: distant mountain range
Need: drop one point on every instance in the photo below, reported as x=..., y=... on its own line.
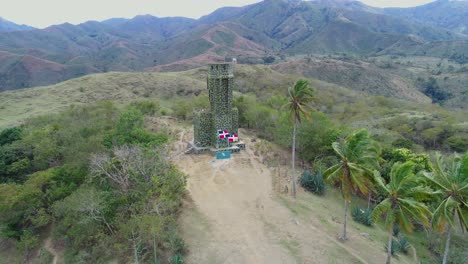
x=250, y=33
x=6, y=26
x=449, y=14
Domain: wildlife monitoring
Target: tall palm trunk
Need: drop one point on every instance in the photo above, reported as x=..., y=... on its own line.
x=343, y=235
x=294, y=162
x=447, y=245
x=389, y=246
x=368, y=200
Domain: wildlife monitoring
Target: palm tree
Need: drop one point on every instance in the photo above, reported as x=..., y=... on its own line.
x=402, y=204
x=300, y=95
x=358, y=155
x=452, y=184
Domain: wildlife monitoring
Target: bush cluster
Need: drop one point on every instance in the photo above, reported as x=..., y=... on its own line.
x=399, y=244
x=98, y=178
x=313, y=182
x=363, y=216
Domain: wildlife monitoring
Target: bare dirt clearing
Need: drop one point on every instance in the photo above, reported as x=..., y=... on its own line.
x=235, y=216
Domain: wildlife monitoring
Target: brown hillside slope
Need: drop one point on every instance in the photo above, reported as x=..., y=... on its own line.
x=223, y=42
x=18, y=105
x=356, y=75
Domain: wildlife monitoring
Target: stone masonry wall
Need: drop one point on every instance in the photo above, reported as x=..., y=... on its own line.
x=222, y=116
x=203, y=127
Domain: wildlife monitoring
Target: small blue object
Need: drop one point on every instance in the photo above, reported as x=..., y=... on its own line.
x=223, y=155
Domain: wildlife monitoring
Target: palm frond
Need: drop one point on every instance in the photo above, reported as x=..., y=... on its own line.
x=433, y=180
x=417, y=210
x=438, y=217
x=440, y=171
x=403, y=221
x=359, y=183
x=338, y=150
x=399, y=172
x=300, y=95
x=463, y=217
x=450, y=206
x=421, y=193
x=381, y=209
x=464, y=167
x=451, y=181
x=333, y=173
x=379, y=180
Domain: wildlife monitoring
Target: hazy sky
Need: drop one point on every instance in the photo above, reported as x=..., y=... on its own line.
x=42, y=13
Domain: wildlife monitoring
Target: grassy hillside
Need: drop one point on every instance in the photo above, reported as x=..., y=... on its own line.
x=449, y=76
x=382, y=115
x=18, y=105
x=121, y=87
x=356, y=75
x=25, y=71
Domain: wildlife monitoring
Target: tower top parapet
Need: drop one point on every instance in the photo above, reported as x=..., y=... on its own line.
x=221, y=70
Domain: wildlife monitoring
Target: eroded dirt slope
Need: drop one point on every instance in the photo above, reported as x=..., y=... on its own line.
x=235, y=216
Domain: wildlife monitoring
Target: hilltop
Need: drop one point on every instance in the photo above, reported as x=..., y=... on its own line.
x=6, y=26
x=346, y=105
x=449, y=14
x=213, y=219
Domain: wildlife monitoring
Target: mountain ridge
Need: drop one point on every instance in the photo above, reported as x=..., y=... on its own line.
x=8, y=26
x=250, y=32
x=450, y=14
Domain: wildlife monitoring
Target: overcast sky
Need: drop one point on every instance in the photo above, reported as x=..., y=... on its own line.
x=42, y=13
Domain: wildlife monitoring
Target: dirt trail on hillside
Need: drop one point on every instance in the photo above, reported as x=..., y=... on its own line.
x=49, y=246
x=246, y=222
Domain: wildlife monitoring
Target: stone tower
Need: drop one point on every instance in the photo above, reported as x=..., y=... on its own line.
x=222, y=115
x=220, y=82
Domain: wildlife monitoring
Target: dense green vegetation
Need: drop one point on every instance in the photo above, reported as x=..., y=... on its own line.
x=403, y=197
x=359, y=152
x=97, y=179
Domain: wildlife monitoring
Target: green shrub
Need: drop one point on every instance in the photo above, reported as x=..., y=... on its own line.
x=404, y=245
x=363, y=216
x=177, y=259
x=399, y=244
x=44, y=257
x=313, y=182
x=146, y=107
x=130, y=130
x=395, y=247
x=396, y=230
x=10, y=135
x=177, y=244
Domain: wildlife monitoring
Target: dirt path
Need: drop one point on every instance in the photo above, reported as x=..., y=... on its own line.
x=233, y=201
x=236, y=217
x=48, y=245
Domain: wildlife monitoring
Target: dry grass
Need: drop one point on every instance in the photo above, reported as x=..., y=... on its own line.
x=18, y=105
